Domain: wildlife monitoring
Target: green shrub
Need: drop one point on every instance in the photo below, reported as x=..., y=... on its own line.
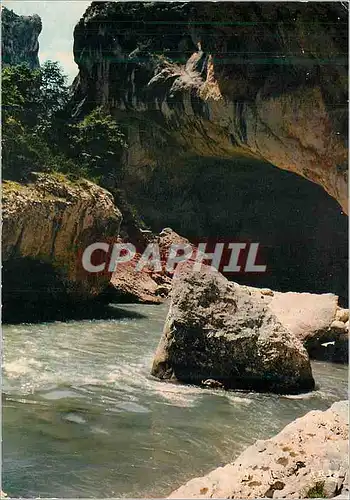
x=38, y=133
x=316, y=491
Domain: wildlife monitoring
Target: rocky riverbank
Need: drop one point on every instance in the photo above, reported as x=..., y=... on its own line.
x=220, y=333
x=47, y=224
x=307, y=459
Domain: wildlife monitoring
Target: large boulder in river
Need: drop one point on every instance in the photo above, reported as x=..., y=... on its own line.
x=315, y=319
x=216, y=330
x=307, y=459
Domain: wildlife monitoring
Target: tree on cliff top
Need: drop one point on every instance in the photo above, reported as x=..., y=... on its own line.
x=32, y=101
x=98, y=143
x=38, y=133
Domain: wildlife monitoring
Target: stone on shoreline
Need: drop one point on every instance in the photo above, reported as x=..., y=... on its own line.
x=315, y=319
x=308, y=458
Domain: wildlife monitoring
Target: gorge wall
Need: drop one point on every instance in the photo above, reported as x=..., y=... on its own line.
x=20, y=38
x=223, y=81
x=210, y=97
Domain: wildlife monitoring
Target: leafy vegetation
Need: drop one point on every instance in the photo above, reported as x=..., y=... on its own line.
x=39, y=134
x=317, y=491
x=97, y=144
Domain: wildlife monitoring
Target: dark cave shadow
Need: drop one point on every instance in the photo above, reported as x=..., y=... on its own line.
x=67, y=313
x=302, y=232
x=33, y=292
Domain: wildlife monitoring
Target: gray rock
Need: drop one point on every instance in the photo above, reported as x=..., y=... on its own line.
x=19, y=42
x=215, y=329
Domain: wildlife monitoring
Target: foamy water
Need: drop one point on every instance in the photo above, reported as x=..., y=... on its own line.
x=83, y=417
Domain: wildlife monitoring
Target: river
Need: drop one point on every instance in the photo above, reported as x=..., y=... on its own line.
x=82, y=417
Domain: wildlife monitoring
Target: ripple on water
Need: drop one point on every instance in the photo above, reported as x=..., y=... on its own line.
x=83, y=417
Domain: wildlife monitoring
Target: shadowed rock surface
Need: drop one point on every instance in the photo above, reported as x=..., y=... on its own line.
x=301, y=230
x=19, y=40
x=216, y=330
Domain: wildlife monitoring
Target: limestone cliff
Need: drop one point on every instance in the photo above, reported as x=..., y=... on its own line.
x=47, y=224
x=19, y=38
x=267, y=81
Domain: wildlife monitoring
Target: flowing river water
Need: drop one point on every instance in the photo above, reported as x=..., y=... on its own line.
x=82, y=417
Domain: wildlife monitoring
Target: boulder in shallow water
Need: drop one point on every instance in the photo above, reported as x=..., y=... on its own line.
x=216, y=330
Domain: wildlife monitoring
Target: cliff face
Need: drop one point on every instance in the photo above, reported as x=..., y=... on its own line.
x=20, y=38
x=222, y=80
x=47, y=224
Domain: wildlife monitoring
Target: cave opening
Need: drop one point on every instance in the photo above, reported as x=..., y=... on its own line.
x=301, y=230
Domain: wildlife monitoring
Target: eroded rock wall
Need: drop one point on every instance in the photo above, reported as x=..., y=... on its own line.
x=19, y=40
x=47, y=224
x=222, y=80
